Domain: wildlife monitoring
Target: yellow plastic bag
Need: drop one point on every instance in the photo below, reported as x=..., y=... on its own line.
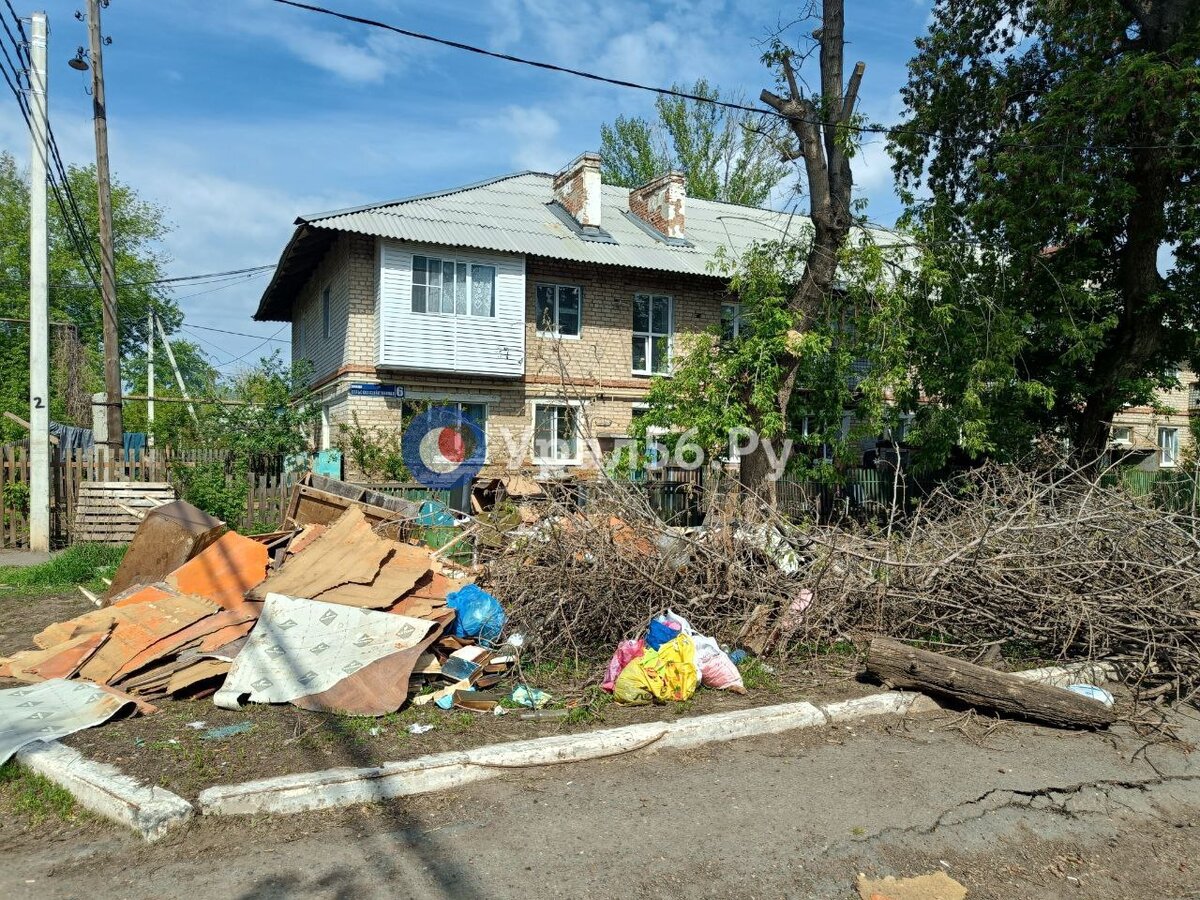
x=668, y=673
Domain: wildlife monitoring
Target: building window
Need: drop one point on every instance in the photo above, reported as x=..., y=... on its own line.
x=325, y=437
x=555, y=433
x=1122, y=434
x=559, y=309
x=1168, y=446
x=325, y=313
x=449, y=287
x=731, y=321
x=651, y=334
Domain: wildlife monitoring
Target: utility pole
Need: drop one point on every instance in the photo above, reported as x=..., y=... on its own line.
x=39, y=297
x=108, y=275
x=175, y=368
x=150, y=377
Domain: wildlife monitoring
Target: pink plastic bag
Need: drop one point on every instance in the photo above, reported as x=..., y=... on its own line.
x=626, y=651
x=716, y=668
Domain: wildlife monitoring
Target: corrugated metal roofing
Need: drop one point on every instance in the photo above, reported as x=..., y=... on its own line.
x=512, y=214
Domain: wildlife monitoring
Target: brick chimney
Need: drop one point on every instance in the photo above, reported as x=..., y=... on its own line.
x=660, y=203
x=577, y=188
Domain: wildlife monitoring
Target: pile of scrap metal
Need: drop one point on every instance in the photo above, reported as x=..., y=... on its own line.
x=329, y=614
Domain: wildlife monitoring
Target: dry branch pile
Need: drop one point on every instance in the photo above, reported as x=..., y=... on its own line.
x=1054, y=566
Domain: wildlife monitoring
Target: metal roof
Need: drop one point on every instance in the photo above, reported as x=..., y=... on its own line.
x=514, y=214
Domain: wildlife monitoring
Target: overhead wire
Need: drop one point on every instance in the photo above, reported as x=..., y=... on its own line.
x=889, y=130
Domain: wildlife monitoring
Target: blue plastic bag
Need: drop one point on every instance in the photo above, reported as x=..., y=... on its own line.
x=479, y=614
x=660, y=632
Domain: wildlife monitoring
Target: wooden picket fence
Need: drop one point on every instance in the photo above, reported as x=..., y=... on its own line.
x=267, y=496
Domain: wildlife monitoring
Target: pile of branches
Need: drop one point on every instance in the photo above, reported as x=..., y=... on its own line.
x=582, y=578
x=1052, y=564
x=1049, y=565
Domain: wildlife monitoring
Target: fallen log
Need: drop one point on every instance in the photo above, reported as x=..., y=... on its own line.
x=901, y=666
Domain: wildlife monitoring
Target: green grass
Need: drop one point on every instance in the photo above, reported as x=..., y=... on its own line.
x=591, y=708
x=757, y=677
x=33, y=796
x=78, y=564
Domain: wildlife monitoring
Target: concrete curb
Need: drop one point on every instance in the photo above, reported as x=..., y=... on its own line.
x=105, y=790
x=345, y=787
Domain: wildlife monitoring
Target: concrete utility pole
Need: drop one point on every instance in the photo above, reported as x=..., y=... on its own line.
x=150, y=377
x=39, y=297
x=175, y=368
x=108, y=275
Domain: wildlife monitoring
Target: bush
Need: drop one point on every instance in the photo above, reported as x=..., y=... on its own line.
x=215, y=489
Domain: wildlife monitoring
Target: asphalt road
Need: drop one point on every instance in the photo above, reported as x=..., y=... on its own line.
x=1019, y=812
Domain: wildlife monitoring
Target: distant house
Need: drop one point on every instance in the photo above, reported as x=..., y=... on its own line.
x=524, y=299
x=1156, y=436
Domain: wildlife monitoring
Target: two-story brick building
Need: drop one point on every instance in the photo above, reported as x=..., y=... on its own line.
x=543, y=304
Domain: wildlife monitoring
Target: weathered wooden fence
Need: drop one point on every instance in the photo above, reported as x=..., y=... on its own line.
x=266, y=499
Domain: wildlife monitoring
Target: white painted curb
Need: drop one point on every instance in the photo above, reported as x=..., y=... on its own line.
x=1097, y=673
x=148, y=810
x=344, y=787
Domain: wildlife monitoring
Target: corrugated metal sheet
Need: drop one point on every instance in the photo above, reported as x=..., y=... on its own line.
x=511, y=215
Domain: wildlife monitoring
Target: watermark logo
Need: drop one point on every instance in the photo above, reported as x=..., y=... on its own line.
x=443, y=448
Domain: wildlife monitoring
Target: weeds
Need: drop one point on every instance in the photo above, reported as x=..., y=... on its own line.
x=756, y=676
x=33, y=796
x=78, y=564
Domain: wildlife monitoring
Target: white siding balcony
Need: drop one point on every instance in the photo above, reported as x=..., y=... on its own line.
x=445, y=309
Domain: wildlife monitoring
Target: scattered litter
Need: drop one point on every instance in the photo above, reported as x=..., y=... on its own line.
x=739, y=656
x=1092, y=692
x=200, y=723
x=544, y=714
x=626, y=652
x=226, y=731
x=167, y=538
x=418, y=728
x=465, y=663
x=533, y=698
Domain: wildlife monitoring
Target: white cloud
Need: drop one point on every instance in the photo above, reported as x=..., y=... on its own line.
x=531, y=136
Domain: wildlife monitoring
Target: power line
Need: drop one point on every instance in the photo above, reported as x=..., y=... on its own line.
x=671, y=92
x=191, y=325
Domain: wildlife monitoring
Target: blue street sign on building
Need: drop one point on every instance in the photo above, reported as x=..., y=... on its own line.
x=369, y=389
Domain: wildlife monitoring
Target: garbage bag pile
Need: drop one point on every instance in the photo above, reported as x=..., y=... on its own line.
x=668, y=664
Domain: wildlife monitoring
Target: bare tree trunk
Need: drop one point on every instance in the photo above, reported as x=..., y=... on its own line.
x=819, y=124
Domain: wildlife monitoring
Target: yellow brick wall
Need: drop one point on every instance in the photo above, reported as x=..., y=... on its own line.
x=349, y=271
x=1169, y=410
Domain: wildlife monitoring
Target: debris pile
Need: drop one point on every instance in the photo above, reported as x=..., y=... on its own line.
x=577, y=582
x=329, y=615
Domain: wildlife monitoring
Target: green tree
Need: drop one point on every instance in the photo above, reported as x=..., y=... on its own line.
x=172, y=422
x=138, y=228
x=727, y=154
x=1049, y=159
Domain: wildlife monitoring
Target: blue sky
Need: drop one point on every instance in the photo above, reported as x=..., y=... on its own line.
x=238, y=115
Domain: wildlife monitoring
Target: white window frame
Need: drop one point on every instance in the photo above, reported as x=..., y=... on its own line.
x=470, y=265
x=326, y=311
x=539, y=460
x=1163, y=461
x=326, y=437
x=649, y=336
x=736, y=321
x=1125, y=439
x=555, y=333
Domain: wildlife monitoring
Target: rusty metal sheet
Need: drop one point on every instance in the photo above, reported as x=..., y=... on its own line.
x=301, y=647
x=51, y=710
x=241, y=617
x=166, y=539
x=135, y=628
x=60, y=661
x=224, y=571
x=407, y=566
x=350, y=552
